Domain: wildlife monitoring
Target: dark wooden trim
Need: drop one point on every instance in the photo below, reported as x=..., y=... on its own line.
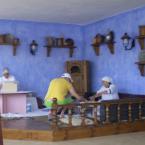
x=1, y=136
x=74, y=132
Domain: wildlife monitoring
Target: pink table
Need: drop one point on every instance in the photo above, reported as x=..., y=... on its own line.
x=13, y=102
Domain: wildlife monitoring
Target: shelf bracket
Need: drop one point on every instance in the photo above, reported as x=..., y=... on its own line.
x=141, y=67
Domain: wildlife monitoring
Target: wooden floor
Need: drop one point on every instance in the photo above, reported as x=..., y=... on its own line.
x=39, y=129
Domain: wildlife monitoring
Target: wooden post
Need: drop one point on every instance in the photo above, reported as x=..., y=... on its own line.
x=54, y=113
x=118, y=112
x=95, y=114
x=107, y=113
x=83, y=115
x=70, y=117
x=140, y=117
x=1, y=137
x=129, y=112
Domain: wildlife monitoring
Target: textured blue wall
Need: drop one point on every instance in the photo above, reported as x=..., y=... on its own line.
x=35, y=72
x=120, y=66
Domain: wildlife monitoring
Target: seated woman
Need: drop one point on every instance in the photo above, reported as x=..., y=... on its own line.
x=61, y=89
x=107, y=92
x=7, y=77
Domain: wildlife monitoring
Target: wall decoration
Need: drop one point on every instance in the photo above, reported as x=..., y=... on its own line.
x=97, y=41
x=141, y=57
x=128, y=42
x=52, y=42
x=141, y=37
x=33, y=47
x=8, y=39
x=107, y=39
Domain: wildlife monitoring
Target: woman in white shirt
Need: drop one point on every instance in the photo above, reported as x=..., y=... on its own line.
x=6, y=77
x=107, y=92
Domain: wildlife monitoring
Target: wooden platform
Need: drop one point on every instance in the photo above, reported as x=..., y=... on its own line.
x=39, y=129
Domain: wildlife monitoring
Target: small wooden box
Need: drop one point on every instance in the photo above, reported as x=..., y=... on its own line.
x=9, y=87
x=142, y=30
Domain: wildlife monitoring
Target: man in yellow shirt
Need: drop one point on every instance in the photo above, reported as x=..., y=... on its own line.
x=61, y=89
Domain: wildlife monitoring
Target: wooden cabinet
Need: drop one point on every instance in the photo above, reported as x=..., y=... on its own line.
x=79, y=71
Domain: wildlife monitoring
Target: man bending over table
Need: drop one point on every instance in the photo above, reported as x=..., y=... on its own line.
x=62, y=89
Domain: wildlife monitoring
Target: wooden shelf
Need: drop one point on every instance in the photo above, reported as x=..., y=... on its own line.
x=141, y=37
x=8, y=39
x=71, y=49
x=53, y=42
x=107, y=39
x=141, y=68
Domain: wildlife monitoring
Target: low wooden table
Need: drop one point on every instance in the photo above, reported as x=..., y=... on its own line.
x=14, y=102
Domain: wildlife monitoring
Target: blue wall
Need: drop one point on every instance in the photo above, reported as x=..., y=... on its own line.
x=120, y=66
x=35, y=72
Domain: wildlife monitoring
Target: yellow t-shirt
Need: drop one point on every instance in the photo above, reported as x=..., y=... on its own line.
x=58, y=88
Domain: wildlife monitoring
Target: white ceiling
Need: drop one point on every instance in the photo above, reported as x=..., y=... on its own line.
x=65, y=11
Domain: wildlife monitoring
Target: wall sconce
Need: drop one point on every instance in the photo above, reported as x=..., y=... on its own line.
x=109, y=40
x=128, y=42
x=33, y=47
